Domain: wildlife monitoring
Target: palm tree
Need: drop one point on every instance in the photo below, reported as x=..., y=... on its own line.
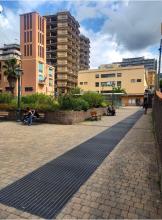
x=118, y=90
x=10, y=71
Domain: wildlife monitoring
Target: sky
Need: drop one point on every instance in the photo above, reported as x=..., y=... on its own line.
x=116, y=29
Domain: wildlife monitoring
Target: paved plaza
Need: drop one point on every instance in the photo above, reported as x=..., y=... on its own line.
x=124, y=186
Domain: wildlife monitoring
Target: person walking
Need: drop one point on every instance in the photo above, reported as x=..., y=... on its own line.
x=145, y=105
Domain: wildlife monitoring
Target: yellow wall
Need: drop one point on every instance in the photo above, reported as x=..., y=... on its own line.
x=128, y=73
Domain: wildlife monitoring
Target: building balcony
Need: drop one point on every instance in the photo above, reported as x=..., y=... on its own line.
x=61, y=84
x=62, y=77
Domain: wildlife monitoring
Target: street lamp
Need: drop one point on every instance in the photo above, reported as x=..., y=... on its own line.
x=159, y=67
x=18, y=73
x=113, y=86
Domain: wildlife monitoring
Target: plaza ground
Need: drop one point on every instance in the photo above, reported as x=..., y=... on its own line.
x=124, y=186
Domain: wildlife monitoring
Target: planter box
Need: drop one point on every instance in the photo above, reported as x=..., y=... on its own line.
x=61, y=117
x=71, y=117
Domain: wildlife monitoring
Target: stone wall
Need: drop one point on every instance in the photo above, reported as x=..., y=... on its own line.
x=71, y=117
x=60, y=117
x=157, y=117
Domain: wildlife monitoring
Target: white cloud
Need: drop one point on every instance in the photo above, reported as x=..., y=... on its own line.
x=9, y=26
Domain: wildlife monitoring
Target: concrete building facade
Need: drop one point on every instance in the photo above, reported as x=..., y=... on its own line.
x=63, y=49
x=84, y=53
x=137, y=61
x=7, y=52
x=38, y=77
x=131, y=79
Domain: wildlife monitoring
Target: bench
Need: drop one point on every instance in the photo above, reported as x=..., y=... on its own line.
x=95, y=116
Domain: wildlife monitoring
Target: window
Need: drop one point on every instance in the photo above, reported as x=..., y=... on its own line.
x=30, y=21
x=109, y=83
x=81, y=83
x=97, y=84
x=38, y=37
x=139, y=80
x=25, y=22
x=7, y=89
x=40, y=67
x=30, y=36
x=119, y=74
x=24, y=37
x=27, y=36
x=107, y=75
x=85, y=83
x=97, y=75
x=50, y=82
x=25, y=50
x=28, y=89
x=118, y=83
x=30, y=49
x=133, y=80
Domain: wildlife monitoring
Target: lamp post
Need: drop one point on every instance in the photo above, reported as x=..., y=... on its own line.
x=18, y=73
x=159, y=67
x=113, y=86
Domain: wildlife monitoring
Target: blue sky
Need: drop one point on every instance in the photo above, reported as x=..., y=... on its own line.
x=117, y=29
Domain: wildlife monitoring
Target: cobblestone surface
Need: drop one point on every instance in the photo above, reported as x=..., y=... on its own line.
x=124, y=186
x=126, y=183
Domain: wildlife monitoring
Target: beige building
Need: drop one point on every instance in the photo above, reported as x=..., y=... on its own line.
x=38, y=77
x=63, y=49
x=7, y=52
x=132, y=79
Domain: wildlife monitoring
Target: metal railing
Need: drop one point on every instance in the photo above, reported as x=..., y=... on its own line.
x=157, y=118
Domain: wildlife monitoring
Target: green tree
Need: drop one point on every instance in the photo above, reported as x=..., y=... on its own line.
x=10, y=67
x=118, y=90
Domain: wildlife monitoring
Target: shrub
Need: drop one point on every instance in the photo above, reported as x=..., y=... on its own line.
x=68, y=102
x=6, y=97
x=80, y=104
x=93, y=99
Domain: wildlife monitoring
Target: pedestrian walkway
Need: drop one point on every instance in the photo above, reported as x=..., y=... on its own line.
x=125, y=185
x=46, y=190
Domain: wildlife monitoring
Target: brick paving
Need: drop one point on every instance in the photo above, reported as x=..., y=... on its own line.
x=124, y=186
x=126, y=183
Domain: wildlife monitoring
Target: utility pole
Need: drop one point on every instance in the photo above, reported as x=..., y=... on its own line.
x=158, y=76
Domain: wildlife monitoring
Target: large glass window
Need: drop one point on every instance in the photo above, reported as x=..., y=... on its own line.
x=97, y=75
x=118, y=83
x=107, y=75
x=109, y=83
x=50, y=72
x=40, y=67
x=97, y=84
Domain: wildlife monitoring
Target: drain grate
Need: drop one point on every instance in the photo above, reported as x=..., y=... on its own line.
x=46, y=190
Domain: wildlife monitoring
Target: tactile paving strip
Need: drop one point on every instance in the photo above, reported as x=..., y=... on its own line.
x=46, y=190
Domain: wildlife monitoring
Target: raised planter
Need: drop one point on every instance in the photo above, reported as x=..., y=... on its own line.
x=71, y=117
x=62, y=117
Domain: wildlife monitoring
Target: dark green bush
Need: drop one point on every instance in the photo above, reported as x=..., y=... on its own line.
x=80, y=104
x=6, y=97
x=68, y=102
x=93, y=99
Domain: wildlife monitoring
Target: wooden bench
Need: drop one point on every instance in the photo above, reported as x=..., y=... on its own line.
x=95, y=116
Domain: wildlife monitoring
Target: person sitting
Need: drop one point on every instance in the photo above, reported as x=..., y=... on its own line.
x=111, y=110
x=28, y=116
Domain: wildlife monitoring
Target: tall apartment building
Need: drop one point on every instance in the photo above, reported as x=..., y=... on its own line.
x=63, y=49
x=37, y=75
x=7, y=52
x=137, y=61
x=84, y=53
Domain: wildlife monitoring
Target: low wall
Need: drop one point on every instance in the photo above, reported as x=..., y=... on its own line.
x=59, y=117
x=157, y=117
x=71, y=117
